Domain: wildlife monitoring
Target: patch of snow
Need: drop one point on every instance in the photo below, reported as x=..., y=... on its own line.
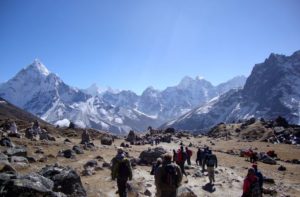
x=63, y=123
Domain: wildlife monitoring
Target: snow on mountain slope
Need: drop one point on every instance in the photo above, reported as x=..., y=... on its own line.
x=272, y=89
x=44, y=94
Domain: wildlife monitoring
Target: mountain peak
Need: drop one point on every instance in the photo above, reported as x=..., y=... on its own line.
x=38, y=66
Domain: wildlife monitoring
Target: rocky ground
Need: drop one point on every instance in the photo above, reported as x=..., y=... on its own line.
x=229, y=175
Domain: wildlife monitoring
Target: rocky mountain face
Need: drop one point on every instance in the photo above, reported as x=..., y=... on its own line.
x=37, y=90
x=271, y=90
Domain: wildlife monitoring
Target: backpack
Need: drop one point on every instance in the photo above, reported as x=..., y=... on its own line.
x=123, y=169
x=183, y=156
x=190, y=153
x=170, y=176
x=211, y=161
x=255, y=190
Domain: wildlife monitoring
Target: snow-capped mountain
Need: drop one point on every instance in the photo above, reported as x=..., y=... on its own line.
x=44, y=94
x=272, y=89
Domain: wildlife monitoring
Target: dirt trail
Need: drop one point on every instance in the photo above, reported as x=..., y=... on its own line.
x=229, y=176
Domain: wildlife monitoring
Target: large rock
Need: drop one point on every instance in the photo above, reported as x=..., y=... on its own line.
x=65, y=179
x=131, y=137
x=68, y=153
x=77, y=149
x=106, y=140
x=17, y=151
x=268, y=160
x=6, y=167
x=6, y=142
x=185, y=192
x=150, y=155
x=32, y=184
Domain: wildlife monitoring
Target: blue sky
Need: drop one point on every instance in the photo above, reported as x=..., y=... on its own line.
x=136, y=44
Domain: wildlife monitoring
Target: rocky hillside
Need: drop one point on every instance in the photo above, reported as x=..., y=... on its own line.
x=270, y=91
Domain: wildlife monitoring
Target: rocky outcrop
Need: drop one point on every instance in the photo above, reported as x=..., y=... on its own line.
x=65, y=179
x=150, y=155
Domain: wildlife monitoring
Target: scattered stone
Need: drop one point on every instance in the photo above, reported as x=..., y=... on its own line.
x=184, y=191
x=150, y=155
x=67, y=141
x=17, y=151
x=106, y=165
x=99, y=158
x=281, y=168
x=32, y=184
x=147, y=193
x=90, y=164
x=269, y=180
x=3, y=157
x=106, y=140
x=39, y=151
x=65, y=179
x=77, y=149
x=6, y=167
x=67, y=153
x=6, y=142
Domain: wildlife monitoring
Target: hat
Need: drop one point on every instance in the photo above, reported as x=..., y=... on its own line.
x=251, y=171
x=120, y=150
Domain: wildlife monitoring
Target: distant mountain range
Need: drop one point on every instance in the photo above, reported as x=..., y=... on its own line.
x=272, y=89
x=37, y=90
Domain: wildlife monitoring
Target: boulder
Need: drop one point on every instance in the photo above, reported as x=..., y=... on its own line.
x=68, y=153
x=281, y=168
x=269, y=180
x=6, y=142
x=106, y=141
x=6, y=167
x=65, y=179
x=3, y=157
x=77, y=149
x=268, y=160
x=91, y=164
x=131, y=136
x=17, y=151
x=184, y=191
x=19, y=159
x=32, y=184
x=149, y=156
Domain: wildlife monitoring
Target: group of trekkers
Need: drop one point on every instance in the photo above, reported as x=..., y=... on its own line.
x=168, y=171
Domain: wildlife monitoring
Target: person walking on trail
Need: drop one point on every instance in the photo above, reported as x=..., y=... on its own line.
x=168, y=178
x=259, y=175
x=181, y=158
x=251, y=185
x=174, y=155
x=155, y=166
x=211, y=162
x=122, y=171
x=189, y=155
x=199, y=157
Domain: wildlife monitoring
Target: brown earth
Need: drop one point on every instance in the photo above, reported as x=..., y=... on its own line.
x=229, y=179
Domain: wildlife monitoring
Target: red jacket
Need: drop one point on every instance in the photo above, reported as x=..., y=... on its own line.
x=247, y=183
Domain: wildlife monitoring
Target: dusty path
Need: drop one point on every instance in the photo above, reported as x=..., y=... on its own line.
x=229, y=177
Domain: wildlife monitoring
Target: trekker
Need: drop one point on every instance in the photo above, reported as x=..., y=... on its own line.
x=259, y=176
x=121, y=170
x=189, y=155
x=181, y=158
x=174, y=155
x=85, y=137
x=167, y=178
x=251, y=185
x=211, y=162
x=199, y=157
x=155, y=166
